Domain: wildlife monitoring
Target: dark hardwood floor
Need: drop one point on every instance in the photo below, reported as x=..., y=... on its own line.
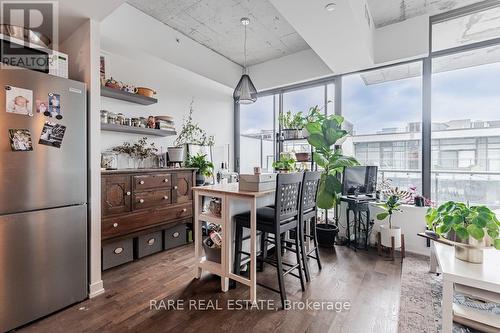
x=370, y=283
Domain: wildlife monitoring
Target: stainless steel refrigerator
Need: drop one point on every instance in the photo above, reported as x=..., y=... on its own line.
x=43, y=198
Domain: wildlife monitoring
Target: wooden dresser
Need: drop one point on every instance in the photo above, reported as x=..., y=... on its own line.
x=142, y=203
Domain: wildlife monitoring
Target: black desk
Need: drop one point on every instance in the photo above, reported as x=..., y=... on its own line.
x=362, y=224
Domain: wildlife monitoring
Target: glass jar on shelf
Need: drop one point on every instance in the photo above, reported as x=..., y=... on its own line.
x=120, y=119
x=112, y=118
x=104, y=116
x=135, y=122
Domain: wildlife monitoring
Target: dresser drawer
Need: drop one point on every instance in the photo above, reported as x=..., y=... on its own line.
x=146, y=182
x=117, y=253
x=139, y=220
x=151, y=199
x=148, y=244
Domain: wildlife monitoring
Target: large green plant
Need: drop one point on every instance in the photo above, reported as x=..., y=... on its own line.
x=323, y=134
x=465, y=220
x=199, y=161
x=389, y=207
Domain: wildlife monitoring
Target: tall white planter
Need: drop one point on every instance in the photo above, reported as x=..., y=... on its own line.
x=387, y=233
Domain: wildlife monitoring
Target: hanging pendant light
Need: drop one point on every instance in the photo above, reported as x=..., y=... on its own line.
x=245, y=92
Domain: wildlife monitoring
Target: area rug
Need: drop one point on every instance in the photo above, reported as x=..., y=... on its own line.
x=420, y=302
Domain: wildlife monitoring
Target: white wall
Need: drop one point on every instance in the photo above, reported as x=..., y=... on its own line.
x=298, y=67
x=83, y=50
x=175, y=87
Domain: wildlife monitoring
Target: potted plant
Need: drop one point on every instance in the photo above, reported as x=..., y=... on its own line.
x=470, y=228
x=204, y=166
x=324, y=133
x=388, y=231
x=285, y=164
x=291, y=124
x=190, y=133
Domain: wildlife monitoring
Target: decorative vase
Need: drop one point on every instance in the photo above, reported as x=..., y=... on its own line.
x=175, y=154
x=471, y=249
x=386, y=235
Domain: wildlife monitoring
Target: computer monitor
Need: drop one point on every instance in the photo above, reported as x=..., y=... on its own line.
x=359, y=180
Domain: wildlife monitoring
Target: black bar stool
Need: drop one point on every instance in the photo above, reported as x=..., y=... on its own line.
x=309, y=216
x=277, y=221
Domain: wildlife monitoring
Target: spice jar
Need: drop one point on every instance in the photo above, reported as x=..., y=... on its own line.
x=112, y=118
x=120, y=119
x=135, y=122
x=143, y=122
x=127, y=122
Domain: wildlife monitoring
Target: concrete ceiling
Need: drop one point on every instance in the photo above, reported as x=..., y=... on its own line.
x=386, y=12
x=216, y=25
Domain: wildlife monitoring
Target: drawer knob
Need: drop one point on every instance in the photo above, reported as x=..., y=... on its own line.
x=141, y=182
x=141, y=200
x=166, y=180
x=128, y=193
x=175, y=187
x=118, y=250
x=151, y=241
x=115, y=225
x=176, y=234
x=165, y=197
x=184, y=210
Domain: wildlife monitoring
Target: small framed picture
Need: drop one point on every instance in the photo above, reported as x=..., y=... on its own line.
x=20, y=140
x=19, y=100
x=52, y=134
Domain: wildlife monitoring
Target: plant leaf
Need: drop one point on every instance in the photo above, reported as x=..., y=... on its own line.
x=475, y=231
x=313, y=128
x=382, y=216
x=320, y=160
x=496, y=243
x=317, y=140
x=325, y=199
x=461, y=232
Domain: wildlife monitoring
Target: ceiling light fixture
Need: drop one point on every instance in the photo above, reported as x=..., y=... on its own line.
x=330, y=7
x=245, y=92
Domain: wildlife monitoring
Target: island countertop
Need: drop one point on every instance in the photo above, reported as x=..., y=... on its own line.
x=146, y=170
x=231, y=189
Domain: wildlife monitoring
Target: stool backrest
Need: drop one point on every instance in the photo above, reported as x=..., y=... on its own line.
x=310, y=189
x=288, y=191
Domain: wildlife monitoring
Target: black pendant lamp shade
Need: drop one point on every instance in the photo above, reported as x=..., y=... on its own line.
x=245, y=92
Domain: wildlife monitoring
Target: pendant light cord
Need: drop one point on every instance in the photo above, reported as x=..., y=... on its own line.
x=245, y=51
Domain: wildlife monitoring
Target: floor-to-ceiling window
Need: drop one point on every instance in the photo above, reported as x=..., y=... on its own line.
x=257, y=138
x=466, y=127
x=465, y=164
x=384, y=109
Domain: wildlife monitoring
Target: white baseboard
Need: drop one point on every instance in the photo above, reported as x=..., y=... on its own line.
x=96, y=289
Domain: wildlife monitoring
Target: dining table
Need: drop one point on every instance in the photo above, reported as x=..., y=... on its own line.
x=232, y=201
